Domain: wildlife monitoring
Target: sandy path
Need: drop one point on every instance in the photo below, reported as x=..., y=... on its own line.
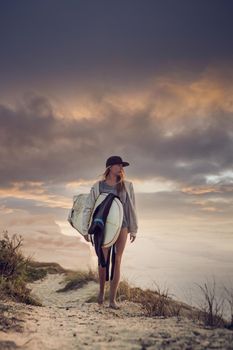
x=66, y=322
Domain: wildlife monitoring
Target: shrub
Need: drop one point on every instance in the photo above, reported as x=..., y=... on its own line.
x=13, y=270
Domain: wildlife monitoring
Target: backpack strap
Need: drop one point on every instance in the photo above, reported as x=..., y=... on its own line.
x=113, y=261
x=111, y=250
x=107, y=264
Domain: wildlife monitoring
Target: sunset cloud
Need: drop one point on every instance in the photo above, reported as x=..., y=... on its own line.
x=178, y=133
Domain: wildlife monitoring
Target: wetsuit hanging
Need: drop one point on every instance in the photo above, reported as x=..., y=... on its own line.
x=97, y=229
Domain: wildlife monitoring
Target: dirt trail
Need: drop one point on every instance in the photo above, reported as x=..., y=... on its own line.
x=67, y=322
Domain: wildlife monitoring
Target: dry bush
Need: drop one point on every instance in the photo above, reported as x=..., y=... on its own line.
x=13, y=270
x=157, y=302
x=229, y=299
x=12, y=261
x=77, y=279
x=211, y=308
x=37, y=270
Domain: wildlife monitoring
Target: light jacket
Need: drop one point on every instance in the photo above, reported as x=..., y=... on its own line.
x=131, y=208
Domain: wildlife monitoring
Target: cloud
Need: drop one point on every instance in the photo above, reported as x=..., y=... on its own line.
x=177, y=135
x=110, y=39
x=180, y=131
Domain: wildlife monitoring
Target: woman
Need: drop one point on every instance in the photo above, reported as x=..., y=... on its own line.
x=113, y=180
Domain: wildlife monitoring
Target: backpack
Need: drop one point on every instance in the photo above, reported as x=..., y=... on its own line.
x=74, y=217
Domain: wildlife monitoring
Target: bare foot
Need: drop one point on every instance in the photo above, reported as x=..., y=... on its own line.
x=114, y=305
x=100, y=299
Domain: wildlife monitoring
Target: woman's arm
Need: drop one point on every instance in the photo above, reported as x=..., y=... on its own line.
x=134, y=219
x=132, y=194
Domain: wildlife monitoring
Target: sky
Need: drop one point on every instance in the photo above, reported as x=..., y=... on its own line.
x=151, y=81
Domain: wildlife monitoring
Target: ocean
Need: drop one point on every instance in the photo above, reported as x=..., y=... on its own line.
x=180, y=258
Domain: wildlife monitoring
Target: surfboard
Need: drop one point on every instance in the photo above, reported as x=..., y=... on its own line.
x=113, y=221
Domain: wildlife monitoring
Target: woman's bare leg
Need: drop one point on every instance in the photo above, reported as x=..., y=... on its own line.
x=102, y=277
x=120, y=245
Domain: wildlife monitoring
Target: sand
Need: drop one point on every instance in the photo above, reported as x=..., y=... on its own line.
x=66, y=321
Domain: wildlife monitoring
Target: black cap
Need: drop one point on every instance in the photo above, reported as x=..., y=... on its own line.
x=115, y=160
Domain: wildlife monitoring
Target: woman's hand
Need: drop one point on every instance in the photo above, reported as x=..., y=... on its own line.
x=132, y=237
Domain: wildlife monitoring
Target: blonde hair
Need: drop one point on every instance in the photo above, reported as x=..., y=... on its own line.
x=120, y=185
